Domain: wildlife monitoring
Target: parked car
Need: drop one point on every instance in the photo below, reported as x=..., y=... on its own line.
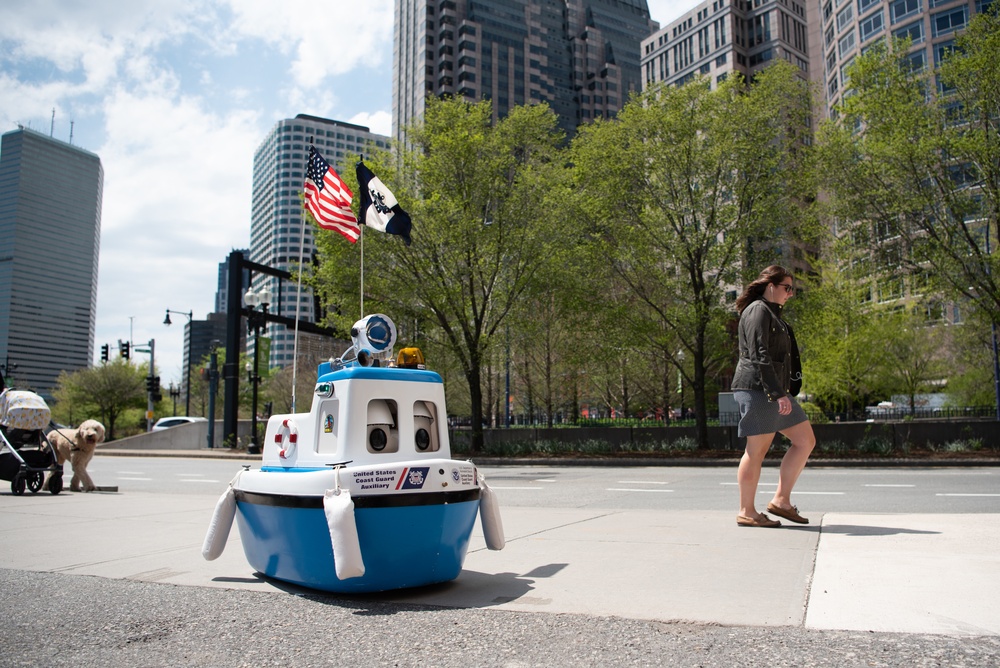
x=175, y=421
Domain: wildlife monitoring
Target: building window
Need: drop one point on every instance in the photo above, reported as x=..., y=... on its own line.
x=872, y=26
x=915, y=31
x=950, y=21
x=942, y=50
x=831, y=87
x=902, y=9
x=843, y=71
x=845, y=17
x=865, y=5
x=846, y=44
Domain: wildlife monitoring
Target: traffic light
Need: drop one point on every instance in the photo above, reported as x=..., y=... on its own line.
x=105, y=352
x=153, y=387
x=123, y=348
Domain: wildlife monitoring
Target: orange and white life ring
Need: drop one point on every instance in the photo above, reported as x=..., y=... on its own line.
x=290, y=431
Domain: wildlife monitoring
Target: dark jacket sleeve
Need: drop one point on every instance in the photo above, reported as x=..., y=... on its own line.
x=755, y=350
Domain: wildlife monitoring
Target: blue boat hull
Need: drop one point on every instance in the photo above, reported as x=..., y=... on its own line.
x=402, y=546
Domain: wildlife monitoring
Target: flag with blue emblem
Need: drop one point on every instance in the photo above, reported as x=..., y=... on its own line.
x=379, y=208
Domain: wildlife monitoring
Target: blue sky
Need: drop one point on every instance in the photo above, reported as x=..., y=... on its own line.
x=175, y=97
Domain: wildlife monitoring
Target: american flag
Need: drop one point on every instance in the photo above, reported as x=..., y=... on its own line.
x=328, y=198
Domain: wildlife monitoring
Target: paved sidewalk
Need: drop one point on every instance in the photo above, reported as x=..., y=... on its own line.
x=906, y=573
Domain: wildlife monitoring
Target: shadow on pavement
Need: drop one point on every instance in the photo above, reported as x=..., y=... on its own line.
x=471, y=589
x=858, y=530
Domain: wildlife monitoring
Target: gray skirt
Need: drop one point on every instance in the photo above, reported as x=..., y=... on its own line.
x=760, y=416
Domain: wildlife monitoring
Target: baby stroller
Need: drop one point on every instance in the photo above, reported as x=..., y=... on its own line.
x=23, y=417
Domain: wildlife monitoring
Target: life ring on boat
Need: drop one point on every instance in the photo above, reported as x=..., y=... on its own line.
x=287, y=428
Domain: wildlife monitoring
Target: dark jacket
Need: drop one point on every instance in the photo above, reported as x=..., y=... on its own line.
x=769, y=357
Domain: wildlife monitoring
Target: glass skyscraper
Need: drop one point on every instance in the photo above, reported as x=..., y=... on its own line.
x=579, y=56
x=277, y=221
x=50, y=239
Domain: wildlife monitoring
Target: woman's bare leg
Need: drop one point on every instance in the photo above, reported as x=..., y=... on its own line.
x=749, y=472
x=803, y=441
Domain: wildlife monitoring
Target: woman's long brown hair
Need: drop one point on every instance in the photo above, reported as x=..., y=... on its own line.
x=774, y=274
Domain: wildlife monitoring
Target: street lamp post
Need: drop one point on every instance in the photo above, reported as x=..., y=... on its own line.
x=255, y=320
x=174, y=393
x=190, y=337
x=680, y=383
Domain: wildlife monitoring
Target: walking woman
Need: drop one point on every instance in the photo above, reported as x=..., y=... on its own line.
x=767, y=378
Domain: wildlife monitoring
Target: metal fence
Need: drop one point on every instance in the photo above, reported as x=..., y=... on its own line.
x=876, y=414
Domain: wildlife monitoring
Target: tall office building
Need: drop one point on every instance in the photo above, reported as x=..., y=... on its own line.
x=277, y=223
x=719, y=36
x=50, y=236
x=579, y=56
x=848, y=27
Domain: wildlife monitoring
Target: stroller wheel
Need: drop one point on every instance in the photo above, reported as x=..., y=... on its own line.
x=17, y=485
x=35, y=481
x=56, y=483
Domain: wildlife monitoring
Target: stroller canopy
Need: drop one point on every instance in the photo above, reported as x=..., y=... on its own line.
x=20, y=409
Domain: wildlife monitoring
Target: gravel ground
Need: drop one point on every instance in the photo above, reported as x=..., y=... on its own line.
x=62, y=620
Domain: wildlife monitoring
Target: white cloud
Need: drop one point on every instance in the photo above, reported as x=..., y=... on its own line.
x=329, y=39
x=176, y=201
x=379, y=121
x=665, y=11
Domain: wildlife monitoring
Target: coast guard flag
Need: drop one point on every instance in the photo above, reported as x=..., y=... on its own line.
x=379, y=208
x=328, y=198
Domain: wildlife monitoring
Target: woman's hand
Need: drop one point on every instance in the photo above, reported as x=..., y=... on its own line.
x=784, y=405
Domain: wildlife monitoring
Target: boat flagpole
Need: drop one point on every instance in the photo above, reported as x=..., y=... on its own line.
x=298, y=305
x=362, y=271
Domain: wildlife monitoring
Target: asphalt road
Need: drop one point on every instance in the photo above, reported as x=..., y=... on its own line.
x=890, y=490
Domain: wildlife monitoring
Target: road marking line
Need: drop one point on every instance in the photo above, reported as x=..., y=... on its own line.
x=889, y=485
x=642, y=482
x=200, y=480
x=626, y=489
x=495, y=487
x=797, y=492
x=190, y=475
x=144, y=479
x=131, y=472
x=544, y=480
x=967, y=495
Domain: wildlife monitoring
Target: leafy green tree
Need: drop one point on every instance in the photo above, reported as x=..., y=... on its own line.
x=477, y=193
x=676, y=188
x=103, y=392
x=840, y=336
x=915, y=159
x=913, y=359
x=970, y=379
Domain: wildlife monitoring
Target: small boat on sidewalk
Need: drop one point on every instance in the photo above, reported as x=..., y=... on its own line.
x=360, y=494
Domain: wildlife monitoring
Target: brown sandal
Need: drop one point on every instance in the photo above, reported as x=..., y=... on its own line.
x=762, y=521
x=790, y=514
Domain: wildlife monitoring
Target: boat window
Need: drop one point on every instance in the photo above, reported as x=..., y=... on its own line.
x=425, y=428
x=383, y=435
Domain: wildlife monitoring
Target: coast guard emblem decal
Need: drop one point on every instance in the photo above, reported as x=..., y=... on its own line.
x=413, y=478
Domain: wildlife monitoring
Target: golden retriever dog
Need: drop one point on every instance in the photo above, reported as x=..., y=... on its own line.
x=77, y=446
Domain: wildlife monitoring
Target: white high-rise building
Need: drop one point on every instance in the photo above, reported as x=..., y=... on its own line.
x=277, y=220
